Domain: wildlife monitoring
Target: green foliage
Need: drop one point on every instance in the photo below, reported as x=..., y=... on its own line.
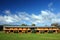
x=33, y=24
x=54, y=24
x=15, y=31
x=50, y=31
x=23, y=24
x=33, y=31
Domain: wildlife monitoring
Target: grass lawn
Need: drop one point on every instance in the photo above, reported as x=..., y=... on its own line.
x=28, y=36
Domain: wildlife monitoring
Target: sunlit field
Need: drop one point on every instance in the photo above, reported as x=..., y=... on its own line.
x=29, y=36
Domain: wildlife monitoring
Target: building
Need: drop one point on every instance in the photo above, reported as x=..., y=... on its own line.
x=30, y=29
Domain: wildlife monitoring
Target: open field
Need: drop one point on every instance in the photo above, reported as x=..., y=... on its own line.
x=28, y=36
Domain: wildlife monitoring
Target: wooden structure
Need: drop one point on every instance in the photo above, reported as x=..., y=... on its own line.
x=30, y=29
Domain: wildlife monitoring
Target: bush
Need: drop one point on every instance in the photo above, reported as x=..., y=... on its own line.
x=33, y=31
x=50, y=31
x=41, y=31
x=15, y=31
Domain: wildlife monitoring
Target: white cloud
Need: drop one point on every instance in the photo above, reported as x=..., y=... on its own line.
x=45, y=17
x=50, y=6
x=27, y=18
x=7, y=12
x=44, y=13
x=9, y=19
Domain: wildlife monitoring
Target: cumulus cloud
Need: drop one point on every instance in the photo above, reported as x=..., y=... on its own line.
x=7, y=19
x=45, y=17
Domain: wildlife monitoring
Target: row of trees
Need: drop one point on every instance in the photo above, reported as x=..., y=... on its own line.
x=27, y=25
x=53, y=24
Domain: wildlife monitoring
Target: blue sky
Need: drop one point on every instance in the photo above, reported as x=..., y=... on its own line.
x=39, y=12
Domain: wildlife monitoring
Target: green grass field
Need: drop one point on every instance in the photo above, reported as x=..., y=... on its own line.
x=28, y=36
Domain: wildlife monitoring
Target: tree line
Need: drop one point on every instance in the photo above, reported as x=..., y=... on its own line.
x=28, y=25
x=53, y=24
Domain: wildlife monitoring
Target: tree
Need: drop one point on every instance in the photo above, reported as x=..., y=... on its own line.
x=54, y=24
x=23, y=24
x=1, y=27
x=33, y=24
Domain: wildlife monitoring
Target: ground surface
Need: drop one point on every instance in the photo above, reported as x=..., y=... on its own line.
x=29, y=36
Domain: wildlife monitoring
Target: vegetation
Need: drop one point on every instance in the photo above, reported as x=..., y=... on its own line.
x=23, y=24
x=28, y=36
x=1, y=27
x=55, y=24
x=27, y=25
x=33, y=24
